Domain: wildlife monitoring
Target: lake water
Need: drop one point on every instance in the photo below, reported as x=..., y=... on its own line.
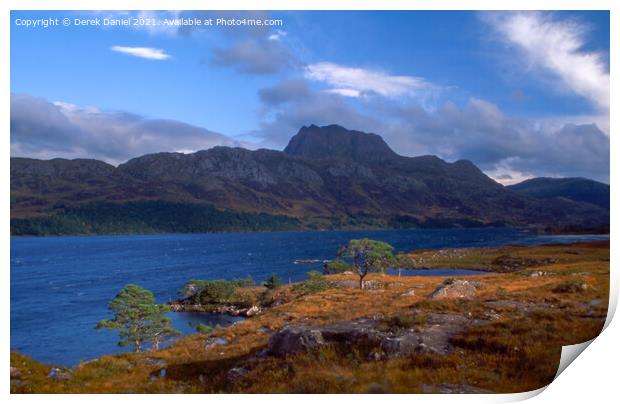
x=61, y=286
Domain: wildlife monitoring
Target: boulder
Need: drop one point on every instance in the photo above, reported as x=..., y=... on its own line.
x=291, y=340
x=234, y=375
x=59, y=374
x=410, y=292
x=15, y=373
x=252, y=311
x=455, y=288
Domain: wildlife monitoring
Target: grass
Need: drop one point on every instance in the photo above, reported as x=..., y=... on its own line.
x=519, y=324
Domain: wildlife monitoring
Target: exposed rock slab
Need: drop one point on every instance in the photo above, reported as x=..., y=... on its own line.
x=370, y=334
x=455, y=288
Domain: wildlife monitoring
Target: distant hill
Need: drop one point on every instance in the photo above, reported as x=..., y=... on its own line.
x=575, y=189
x=326, y=178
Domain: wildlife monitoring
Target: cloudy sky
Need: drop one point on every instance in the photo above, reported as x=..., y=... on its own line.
x=521, y=94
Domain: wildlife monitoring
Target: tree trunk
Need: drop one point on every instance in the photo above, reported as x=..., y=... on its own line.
x=362, y=281
x=136, y=346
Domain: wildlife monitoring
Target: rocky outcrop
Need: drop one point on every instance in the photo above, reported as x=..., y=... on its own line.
x=181, y=306
x=59, y=374
x=235, y=375
x=371, y=335
x=15, y=373
x=324, y=172
x=368, y=285
x=336, y=142
x=455, y=288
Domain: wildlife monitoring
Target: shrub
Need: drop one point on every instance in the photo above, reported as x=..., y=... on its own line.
x=204, y=328
x=404, y=321
x=215, y=292
x=243, y=283
x=315, y=283
x=273, y=282
x=244, y=298
x=266, y=298
x=336, y=266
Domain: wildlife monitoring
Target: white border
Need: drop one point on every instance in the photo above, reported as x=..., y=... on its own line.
x=592, y=377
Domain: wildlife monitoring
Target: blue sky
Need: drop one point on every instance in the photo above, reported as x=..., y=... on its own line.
x=519, y=94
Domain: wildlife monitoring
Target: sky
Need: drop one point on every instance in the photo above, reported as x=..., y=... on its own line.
x=520, y=94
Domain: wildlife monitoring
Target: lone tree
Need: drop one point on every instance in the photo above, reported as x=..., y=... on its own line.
x=139, y=319
x=367, y=256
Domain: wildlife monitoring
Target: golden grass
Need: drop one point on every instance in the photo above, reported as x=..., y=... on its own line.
x=517, y=348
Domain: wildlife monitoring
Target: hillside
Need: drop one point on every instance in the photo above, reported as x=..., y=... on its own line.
x=575, y=189
x=327, y=177
x=492, y=333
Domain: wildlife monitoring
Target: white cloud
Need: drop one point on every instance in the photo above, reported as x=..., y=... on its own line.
x=505, y=173
x=277, y=35
x=254, y=56
x=41, y=129
x=141, y=52
x=347, y=92
x=354, y=81
x=557, y=47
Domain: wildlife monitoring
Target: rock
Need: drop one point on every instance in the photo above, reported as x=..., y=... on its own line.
x=252, y=311
x=571, y=287
x=158, y=374
x=370, y=334
x=410, y=292
x=368, y=285
x=455, y=288
x=59, y=374
x=492, y=315
x=291, y=340
x=435, y=336
x=536, y=274
x=155, y=362
x=234, y=375
x=446, y=388
x=16, y=374
x=215, y=341
x=184, y=305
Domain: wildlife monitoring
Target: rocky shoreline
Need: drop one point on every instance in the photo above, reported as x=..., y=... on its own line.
x=178, y=306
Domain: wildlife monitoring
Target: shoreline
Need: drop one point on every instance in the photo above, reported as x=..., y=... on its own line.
x=472, y=320
x=533, y=231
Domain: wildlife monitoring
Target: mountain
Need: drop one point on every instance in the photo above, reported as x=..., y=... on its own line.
x=336, y=142
x=327, y=177
x=575, y=189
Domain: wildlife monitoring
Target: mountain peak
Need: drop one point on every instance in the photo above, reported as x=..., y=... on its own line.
x=334, y=141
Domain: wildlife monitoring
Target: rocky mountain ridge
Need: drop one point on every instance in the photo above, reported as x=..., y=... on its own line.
x=325, y=175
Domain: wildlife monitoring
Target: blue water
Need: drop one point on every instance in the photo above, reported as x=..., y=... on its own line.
x=60, y=286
